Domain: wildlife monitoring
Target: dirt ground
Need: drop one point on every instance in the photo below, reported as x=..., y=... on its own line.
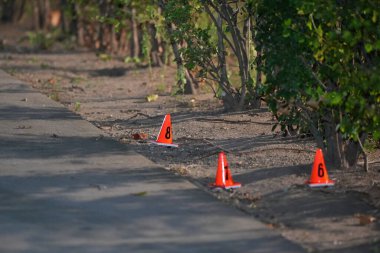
x=112, y=95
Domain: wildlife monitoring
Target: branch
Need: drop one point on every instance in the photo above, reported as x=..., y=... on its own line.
x=312, y=72
x=314, y=130
x=220, y=30
x=211, y=86
x=366, y=168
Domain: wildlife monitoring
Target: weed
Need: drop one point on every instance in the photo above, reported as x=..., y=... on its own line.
x=33, y=60
x=40, y=40
x=44, y=65
x=77, y=106
x=53, y=86
x=132, y=60
x=104, y=57
x=54, y=95
x=161, y=88
x=370, y=145
x=11, y=71
x=78, y=80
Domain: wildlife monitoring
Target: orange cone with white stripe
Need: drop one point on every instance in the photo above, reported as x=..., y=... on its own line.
x=165, y=136
x=223, y=177
x=319, y=176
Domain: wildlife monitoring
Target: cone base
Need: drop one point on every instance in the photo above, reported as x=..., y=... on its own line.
x=321, y=184
x=227, y=187
x=172, y=145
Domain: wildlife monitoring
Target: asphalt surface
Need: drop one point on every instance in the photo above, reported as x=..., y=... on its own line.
x=64, y=187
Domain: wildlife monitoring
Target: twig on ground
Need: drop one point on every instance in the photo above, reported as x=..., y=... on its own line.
x=272, y=148
x=252, y=112
x=140, y=113
x=237, y=152
x=208, y=155
x=370, y=162
x=217, y=146
x=233, y=121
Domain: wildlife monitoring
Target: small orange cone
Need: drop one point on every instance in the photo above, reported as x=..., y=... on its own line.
x=223, y=177
x=319, y=176
x=165, y=137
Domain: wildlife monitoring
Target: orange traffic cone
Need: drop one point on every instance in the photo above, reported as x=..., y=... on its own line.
x=165, y=137
x=223, y=177
x=319, y=176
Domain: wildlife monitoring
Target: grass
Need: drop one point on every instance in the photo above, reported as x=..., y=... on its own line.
x=53, y=86
x=78, y=80
x=44, y=65
x=104, y=57
x=161, y=87
x=370, y=146
x=54, y=96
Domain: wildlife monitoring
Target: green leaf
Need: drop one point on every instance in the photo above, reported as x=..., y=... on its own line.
x=368, y=47
x=374, y=16
x=287, y=22
x=334, y=98
x=320, y=31
x=140, y=194
x=309, y=25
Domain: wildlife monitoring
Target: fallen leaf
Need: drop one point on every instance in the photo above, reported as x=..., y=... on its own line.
x=139, y=136
x=104, y=57
x=99, y=186
x=365, y=219
x=23, y=127
x=140, y=194
x=52, y=81
x=152, y=97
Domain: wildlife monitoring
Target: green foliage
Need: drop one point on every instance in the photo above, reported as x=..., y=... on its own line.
x=77, y=106
x=41, y=40
x=129, y=59
x=181, y=81
x=104, y=57
x=185, y=15
x=326, y=54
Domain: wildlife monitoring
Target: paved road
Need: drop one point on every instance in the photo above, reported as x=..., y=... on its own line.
x=65, y=188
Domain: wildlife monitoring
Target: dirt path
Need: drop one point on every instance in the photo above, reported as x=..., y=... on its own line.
x=272, y=168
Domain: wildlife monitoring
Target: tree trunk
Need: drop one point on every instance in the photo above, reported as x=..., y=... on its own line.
x=9, y=9
x=36, y=15
x=80, y=25
x=6, y=11
x=340, y=153
x=46, y=16
x=65, y=27
x=114, y=42
x=189, y=85
x=237, y=44
x=256, y=103
x=135, y=35
x=257, y=100
x=333, y=149
x=229, y=102
x=123, y=45
x=71, y=25
x=240, y=50
x=18, y=11
x=155, y=53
